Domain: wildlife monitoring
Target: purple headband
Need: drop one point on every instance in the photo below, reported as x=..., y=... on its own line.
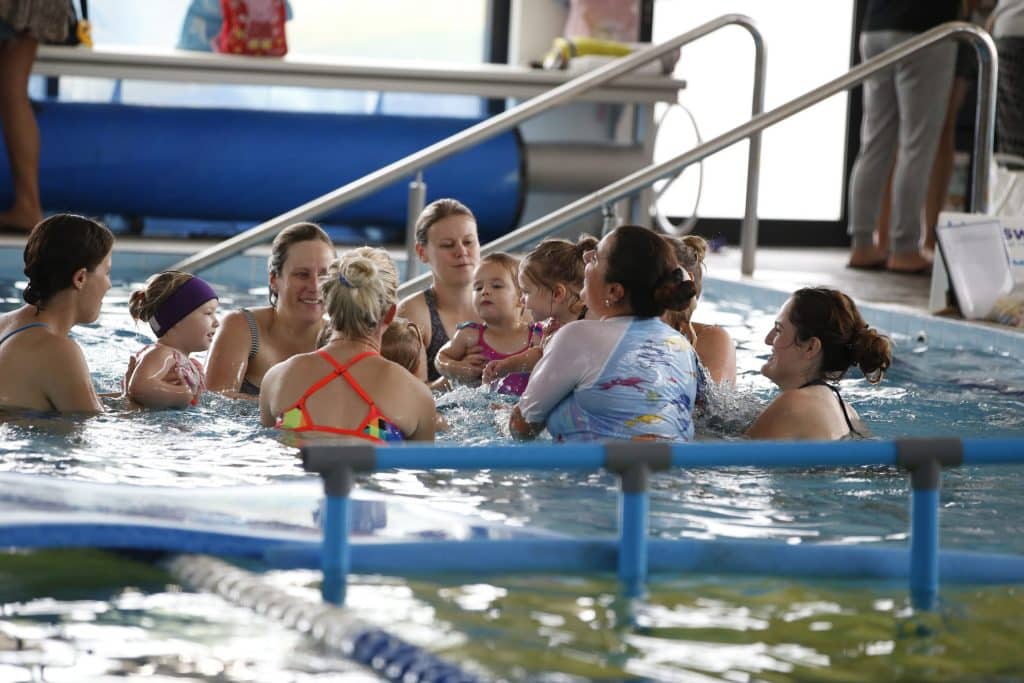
x=183, y=301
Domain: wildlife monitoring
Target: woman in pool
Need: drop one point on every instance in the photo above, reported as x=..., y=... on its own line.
x=250, y=342
x=625, y=375
x=67, y=261
x=713, y=345
x=346, y=388
x=446, y=240
x=181, y=309
x=817, y=337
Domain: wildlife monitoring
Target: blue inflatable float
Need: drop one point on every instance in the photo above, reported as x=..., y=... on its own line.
x=249, y=166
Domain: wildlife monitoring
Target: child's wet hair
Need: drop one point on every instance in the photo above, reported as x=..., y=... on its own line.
x=402, y=344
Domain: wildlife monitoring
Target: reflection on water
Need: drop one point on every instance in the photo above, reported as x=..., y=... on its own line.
x=74, y=617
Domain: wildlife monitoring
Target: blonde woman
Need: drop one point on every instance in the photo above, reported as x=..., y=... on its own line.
x=347, y=388
x=447, y=241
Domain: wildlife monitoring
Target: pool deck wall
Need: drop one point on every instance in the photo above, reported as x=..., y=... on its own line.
x=896, y=304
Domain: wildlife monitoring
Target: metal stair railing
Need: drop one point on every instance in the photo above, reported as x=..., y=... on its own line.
x=410, y=165
x=983, y=141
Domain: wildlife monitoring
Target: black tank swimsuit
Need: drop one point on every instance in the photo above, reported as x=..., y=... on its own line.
x=842, y=405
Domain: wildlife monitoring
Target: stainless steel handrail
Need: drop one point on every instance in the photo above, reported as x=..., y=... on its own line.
x=481, y=131
x=983, y=140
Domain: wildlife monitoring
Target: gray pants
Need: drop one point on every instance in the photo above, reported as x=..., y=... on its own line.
x=904, y=108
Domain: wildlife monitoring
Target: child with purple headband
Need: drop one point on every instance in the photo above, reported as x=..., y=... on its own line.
x=181, y=309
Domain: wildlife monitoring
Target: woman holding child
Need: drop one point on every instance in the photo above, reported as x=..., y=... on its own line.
x=446, y=239
x=625, y=374
x=250, y=342
x=346, y=388
x=67, y=262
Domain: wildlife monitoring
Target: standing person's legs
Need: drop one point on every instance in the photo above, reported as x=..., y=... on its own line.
x=922, y=85
x=878, y=135
x=21, y=133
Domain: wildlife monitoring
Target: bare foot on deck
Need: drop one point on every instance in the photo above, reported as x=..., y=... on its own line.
x=910, y=262
x=17, y=221
x=867, y=258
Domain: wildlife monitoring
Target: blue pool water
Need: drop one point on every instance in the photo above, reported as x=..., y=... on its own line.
x=87, y=614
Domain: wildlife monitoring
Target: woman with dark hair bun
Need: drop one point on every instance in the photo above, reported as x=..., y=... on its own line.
x=624, y=374
x=67, y=262
x=818, y=336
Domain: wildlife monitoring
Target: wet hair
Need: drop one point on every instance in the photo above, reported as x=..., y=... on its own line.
x=510, y=264
x=402, y=344
x=438, y=210
x=359, y=289
x=294, y=233
x=507, y=262
x=57, y=248
x=143, y=303
x=557, y=261
x=643, y=263
x=846, y=340
x=689, y=251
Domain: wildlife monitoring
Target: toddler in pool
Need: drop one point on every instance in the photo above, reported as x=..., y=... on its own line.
x=181, y=309
x=550, y=278
x=505, y=330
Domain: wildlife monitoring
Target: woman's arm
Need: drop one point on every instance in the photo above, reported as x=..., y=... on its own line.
x=228, y=359
x=156, y=381
x=717, y=352
x=520, y=428
x=69, y=386
x=427, y=417
x=269, y=389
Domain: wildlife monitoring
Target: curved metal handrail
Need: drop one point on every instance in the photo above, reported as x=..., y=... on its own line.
x=983, y=140
x=485, y=129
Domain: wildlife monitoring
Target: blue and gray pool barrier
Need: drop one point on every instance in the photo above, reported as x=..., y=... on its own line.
x=632, y=555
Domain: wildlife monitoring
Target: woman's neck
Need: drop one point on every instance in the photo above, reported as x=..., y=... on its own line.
x=58, y=314
x=284, y=326
x=453, y=297
x=800, y=379
x=340, y=342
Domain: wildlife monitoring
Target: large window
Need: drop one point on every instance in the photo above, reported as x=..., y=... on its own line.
x=807, y=44
x=440, y=31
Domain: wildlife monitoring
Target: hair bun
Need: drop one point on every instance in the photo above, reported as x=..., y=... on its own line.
x=30, y=295
x=359, y=271
x=872, y=353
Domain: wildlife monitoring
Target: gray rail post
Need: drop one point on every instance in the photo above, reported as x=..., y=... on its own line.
x=337, y=465
x=633, y=462
x=417, y=200
x=924, y=459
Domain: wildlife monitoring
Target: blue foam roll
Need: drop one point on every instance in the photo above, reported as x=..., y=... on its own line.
x=239, y=165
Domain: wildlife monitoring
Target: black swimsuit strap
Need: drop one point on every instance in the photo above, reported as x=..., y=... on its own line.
x=842, y=404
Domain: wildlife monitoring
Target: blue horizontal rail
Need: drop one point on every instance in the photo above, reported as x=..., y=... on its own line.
x=633, y=555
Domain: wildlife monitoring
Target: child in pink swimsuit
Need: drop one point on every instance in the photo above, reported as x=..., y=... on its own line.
x=505, y=330
x=182, y=312
x=550, y=278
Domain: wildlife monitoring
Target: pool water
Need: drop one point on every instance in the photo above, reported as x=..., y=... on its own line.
x=84, y=615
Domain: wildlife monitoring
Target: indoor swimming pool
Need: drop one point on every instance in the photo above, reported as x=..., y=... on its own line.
x=70, y=615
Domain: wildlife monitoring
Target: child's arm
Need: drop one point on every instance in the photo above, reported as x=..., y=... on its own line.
x=454, y=362
x=520, y=362
x=156, y=381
